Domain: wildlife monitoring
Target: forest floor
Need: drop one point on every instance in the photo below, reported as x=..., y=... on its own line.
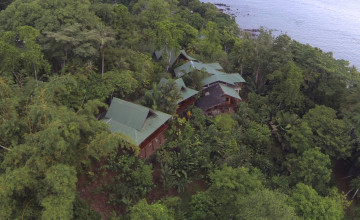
x=343, y=181
x=158, y=192
x=90, y=186
x=341, y=176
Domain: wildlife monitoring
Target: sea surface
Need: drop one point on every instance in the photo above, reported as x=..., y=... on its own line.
x=331, y=25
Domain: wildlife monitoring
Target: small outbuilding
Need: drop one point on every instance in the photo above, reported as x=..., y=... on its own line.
x=211, y=68
x=187, y=95
x=182, y=55
x=233, y=80
x=217, y=99
x=173, y=56
x=143, y=125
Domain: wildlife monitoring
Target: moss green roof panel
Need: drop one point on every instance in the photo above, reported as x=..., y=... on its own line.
x=127, y=113
x=187, y=67
x=174, y=56
x=136, y=121
x=230, y=92
x=185, y=91
x=158, y=54
x=225, y=78
x=216, y=66
x=183, y=52
x=180, y=83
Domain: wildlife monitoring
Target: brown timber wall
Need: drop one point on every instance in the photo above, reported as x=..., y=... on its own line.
x=184, y=104
x=153, y=142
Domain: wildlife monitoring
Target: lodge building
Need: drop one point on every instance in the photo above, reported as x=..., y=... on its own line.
x=146, y=127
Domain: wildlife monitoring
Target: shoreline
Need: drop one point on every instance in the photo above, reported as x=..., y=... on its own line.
x=226, y=9
x=329, y=35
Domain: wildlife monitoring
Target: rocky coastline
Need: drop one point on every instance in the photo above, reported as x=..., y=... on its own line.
x=224, y=8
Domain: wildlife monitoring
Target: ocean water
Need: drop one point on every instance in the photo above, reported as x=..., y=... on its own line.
x=332, y=25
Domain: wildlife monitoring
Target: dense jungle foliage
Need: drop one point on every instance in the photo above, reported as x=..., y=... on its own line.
x=291, y=151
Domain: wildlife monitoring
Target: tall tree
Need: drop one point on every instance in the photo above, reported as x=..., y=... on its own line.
x=163, y=97
x=285, y=87
x=72, y=19
x=20, y=54
x=309, y=204
x=312, y=168
x=229, y=187
x=331, y=134
x=265, y=204
x=156, y=211
x=209, y=46
x=57, y=142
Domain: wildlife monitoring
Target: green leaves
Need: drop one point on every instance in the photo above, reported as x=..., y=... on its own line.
x=132, y=181
x=49, y=132
x=286, y=84
x=309, y=205
x=266, y=204
x=54, y=142
x=312, y=168
x=21, y=55
x=228, y=188
x=156, y=211
x=61, y=183
x=209, y=47
x=163, y=97
x=330, y=134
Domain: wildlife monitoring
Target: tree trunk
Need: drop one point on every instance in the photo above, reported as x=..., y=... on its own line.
x=102, y=63
x=169, y=55
x=17, y=79
x=257, y=76
x=64, y=61
x=35, y=73
x=5, y=148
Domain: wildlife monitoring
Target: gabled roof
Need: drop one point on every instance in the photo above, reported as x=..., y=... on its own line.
x=173, y=55
x=158, y=54
x=136, y=121
x=180, y=83
x=185, y=91
x=183, y=53
x=216, y=66
x=189, y=66
x=215, y=95
x=230, y=91
x=230, y=79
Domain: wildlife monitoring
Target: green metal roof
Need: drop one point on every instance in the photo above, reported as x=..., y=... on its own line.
x=158, y=54
x=225, y=78
x=183, y=52
x=180, y=83
x=136, y=121
x=230, y=92
x=187, y=67
x=174, y=56
x=185, y=91
x=216, y=66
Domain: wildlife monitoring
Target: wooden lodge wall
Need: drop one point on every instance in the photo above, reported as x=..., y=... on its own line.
x=153, y=142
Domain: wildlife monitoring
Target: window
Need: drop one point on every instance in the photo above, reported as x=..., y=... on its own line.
x=228, y=100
